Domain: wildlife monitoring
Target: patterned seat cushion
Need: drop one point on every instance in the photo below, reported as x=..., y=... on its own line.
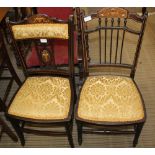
x=44, y=98
x=110, y=99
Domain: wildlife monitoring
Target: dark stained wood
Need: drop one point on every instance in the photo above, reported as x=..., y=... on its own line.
x=125, y=22
x=80, y=53
x=39, y=18
x=3, y=12
x=105, y=40
x=117, y=40
x=2, y=105
x=114, y=28
x=99, y=20
x=6, y=64
x=117, y=62
x=113, y=13
x=112, y=22
x=47, y=67
x=7, y=130
x=139, y=45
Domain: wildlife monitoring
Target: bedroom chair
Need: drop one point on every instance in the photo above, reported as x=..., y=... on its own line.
x=109, y=100
x=47, y=96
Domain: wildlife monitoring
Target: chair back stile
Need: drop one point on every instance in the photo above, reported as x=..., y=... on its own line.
x=71, y=47
x=112, y=28
x=139, y=45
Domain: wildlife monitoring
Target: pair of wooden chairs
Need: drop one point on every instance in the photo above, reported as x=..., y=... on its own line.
x=105, y=102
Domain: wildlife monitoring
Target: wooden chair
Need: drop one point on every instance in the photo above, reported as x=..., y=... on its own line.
x=109, y=100
x=47, y=95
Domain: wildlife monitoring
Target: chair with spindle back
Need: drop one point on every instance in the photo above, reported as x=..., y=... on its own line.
x=109, y=99
x=47, y=95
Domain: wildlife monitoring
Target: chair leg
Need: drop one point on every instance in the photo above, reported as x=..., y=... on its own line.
x=74, y=88
x=68, y=128
x=11, y=69
x=79, y=127
x=80, y=72
x=8, y=131
x=2, y=105
x=138, y=130
x=17, y=128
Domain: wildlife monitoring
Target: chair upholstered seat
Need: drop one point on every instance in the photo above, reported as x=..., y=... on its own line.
x=44, y=98
x=110, y=99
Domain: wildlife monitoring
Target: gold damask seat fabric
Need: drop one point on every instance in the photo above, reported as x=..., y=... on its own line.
x=110, y=99
x=44, y=98
x=47, y=30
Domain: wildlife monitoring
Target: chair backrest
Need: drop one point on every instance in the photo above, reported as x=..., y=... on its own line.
x=39, y=31
x=114, y=36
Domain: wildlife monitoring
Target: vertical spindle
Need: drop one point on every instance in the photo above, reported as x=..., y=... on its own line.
x=100, y=40
x=106, y=21
x=112, y=23
x=125, y=22
x=117, y=40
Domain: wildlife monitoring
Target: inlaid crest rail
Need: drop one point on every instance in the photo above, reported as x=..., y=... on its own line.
x=112, y=13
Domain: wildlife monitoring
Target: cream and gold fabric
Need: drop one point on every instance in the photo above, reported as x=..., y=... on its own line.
x=44, y=98
x=27, y=31
x=110, y=98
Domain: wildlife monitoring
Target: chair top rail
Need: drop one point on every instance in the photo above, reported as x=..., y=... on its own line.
x=36, y=19
x=114, y=13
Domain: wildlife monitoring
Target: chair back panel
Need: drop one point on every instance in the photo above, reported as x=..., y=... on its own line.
x=114, y=37
x=37, y=33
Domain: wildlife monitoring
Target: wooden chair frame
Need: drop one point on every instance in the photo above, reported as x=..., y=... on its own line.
x=102, y=15
x=19, y=122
